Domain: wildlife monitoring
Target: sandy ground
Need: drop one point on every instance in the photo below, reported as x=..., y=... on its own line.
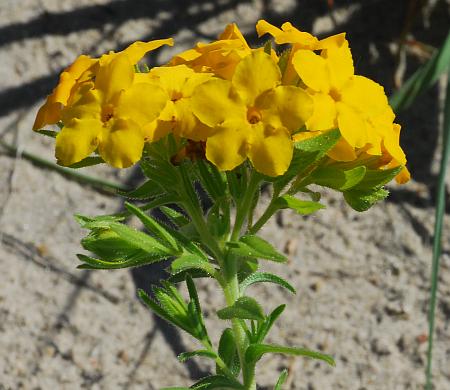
x=362, y=279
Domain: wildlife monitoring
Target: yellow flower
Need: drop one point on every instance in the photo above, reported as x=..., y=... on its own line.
x=252, y=115
x=179, y=83
x=220, y=57
x=355, y=104
x=50, y=112
x=84, y=69
x=393, y=152
x=299, y=40
x=108, y=115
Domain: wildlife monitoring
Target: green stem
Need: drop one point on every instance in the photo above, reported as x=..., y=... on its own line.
x=101, y=184
x=270, y=210
x=244, y=206
x=232, y=293
x=437, y=241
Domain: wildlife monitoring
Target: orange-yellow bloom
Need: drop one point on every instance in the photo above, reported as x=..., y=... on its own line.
x=253, y=116
x=220, y=57
x=84, y=69
x=179, y=83
x=109, y=115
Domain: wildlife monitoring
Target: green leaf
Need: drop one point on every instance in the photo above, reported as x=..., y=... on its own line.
x=182, y=357
x=245, y=308
x=87, y=162
x=176, y=388
x=228, y=352
x=154, y=227
x=246, y=266
x=268, y=47
x=147, y=190
x=158, y=310
x=281, y=379
x=303, y=207
x=423, y=78
x=311, y=150
x=336, y=178
x=361, y=200
x=197, y=317
x=255, y=247
x=176, y=217
x=256, y=351
x=99, y=221
x=437, y=239
x=377, y=178
x=116, y=240
x=49, y=133
x=217, y=221
x=212, y=180
x=188, y=261
x=216, y=382
x=261, y=277
x=135, y=260
x=182, y=275
x=306, y=154
x=265, y=327
x=283, y=60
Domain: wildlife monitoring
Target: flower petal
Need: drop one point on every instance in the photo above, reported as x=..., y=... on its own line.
x=227, y=147
x=271, y=150
x=324, y=114
x=312, y=69
x=187, y=125
x=391, y=142
x=143, y=102
x=340, y=65
x=77, y=140
x=255, y=74
x=287, y=34
x=285, y=106
x=215, y=101
x=85, y=103
x=352, y=125
x=138, y=49
x=114, y=77
x=365, y=95
x=122, y=143
x=342, y=151
x=232, y=32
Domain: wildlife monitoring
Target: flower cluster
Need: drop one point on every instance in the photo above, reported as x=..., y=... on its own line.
x=237, y=102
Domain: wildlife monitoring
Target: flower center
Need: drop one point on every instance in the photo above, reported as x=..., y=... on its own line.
x=107, y=112
x=176, y=95
x=335, y=94
x=253, y=115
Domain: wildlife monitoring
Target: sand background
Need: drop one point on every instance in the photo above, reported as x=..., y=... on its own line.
x=362, y=279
